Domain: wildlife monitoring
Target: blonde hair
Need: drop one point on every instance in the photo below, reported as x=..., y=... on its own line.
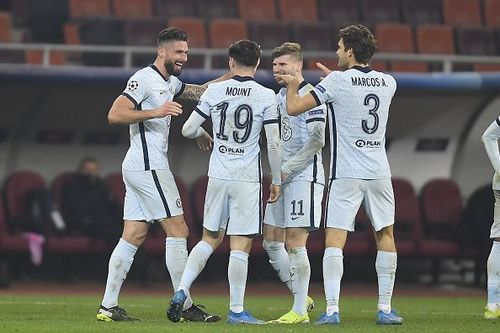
x=289, y=48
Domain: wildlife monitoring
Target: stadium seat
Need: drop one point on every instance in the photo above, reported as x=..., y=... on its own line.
x=224, y=32
x=5, y=27
x=407, y=227
x=114, y=181
x=417, y=12
x=441, y=205
x=379, y=65
x=217, y=9
x=435, y=39
x=338, y=13
x=269, y=34
x=35, y=57
x=492, y=13
x=132, y=8
x=46, y=21
x=486, y=67
x=298, y=10
x=394, y=38
x=173, y=9
x=409, y=66
x=361, y=242
x=462, y=12
x=71, y=33
x=310, y=63
x=9, y=242
x=374, y=12
x=102, y=31
x=89, y=8
x=257, y=10
x=475, y=41
x=17, y=185
x=142, y=32
x=313, y=36
x=195, y=29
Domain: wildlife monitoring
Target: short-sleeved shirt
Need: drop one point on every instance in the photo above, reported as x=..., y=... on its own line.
x=359, y=99
x=239, y=108
x=294, y=134
x=148, y=89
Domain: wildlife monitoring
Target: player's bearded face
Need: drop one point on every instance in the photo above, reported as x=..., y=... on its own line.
x=175, y=56
x=173, y=68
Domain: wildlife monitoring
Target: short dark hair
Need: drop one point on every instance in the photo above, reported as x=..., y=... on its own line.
x=171, y=34
x=245, y=52
x=86, y=159
x=360, y=39
x=290, y=48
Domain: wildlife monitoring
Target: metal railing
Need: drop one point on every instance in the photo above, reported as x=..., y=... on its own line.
x=447, y=61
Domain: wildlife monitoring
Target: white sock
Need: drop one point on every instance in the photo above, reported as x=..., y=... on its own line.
x=176, y=255
x=195, y=264
x=385, y=265
x=119, y=264
x=493, y=268
x=237, y=271
x=333, y=269
x=278, y=258
x=300, y=273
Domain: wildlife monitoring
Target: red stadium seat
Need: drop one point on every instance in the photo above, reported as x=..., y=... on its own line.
x=217, y=9
x=173, y=9
x=224, y=32
x=133, y=8
x=492, y=13
x=380, y=11
x=17, y=185
x=394, y=38
x=71, y=34
x=116, y=186
x=462, y=12
x=409, y=66
x=35, y=57
x=89, y=8
x=257, y=10
x=487, y=67
x=298, y=10
x=5, y=27
x=195, y=29
x=441, y=204
x=435, y=39
x=417, y=12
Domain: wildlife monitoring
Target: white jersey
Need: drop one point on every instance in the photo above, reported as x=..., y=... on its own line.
x=360, y=99
x=148, y=89
x=239, y=108
x=294, y=134
x=490, y=140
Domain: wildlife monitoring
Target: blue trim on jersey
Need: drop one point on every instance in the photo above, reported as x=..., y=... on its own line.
x=315, y=96
x=271, y=121
x=131, y=99
x=362, y=69
x=243, y=78
x=498, y=122
x=333, y=144
x=158, y=71
x=201, y=113
x=310, y=120
x=160, y=191
x=180, y=91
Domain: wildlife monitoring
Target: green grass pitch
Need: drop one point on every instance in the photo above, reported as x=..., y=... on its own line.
x=77, y=314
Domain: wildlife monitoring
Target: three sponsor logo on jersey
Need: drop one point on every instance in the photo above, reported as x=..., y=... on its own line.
x=231, y=151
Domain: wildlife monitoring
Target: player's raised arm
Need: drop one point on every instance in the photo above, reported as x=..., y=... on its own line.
x=296, y=104
x=490, y=140
x=124, y=111
x=193, y=92
x=316, y=122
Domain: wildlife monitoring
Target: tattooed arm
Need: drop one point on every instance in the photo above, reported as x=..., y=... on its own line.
x=193, y=92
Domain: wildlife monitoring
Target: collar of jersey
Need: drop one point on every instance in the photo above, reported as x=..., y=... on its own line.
x=366, y=69
x=302, y=84
x=158, y=71
x=243, y=78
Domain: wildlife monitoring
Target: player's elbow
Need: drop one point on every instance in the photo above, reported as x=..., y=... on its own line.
x=112, y=118
x=292, y=109
x=187, y=131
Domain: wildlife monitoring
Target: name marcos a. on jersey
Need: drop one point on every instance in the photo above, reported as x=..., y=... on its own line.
x=239, y=108
x=359, y=99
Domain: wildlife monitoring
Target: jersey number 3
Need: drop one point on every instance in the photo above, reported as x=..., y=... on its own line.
x=243, y=118
x=372, y=101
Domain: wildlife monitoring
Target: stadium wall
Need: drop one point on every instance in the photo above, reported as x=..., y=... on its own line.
x=52, y=117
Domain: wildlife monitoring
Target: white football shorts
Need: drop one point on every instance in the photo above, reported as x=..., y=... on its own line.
x=495, y=227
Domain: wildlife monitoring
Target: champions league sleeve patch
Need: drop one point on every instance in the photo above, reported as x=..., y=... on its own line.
x=133, y=85
x=320, y=88
x=315, y=112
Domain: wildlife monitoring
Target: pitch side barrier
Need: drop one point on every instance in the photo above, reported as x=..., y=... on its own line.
x=470, y=81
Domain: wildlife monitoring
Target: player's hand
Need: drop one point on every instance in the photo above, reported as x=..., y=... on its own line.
x=275, y=191
x=284, y=176
x=204, y=141
x=324, y=69
x=169, y=108
x=286, y=78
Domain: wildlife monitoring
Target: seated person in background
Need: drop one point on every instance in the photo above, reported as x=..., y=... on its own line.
x=87, y=206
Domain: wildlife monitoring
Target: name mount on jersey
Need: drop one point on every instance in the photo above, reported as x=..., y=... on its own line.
x=235, y=91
